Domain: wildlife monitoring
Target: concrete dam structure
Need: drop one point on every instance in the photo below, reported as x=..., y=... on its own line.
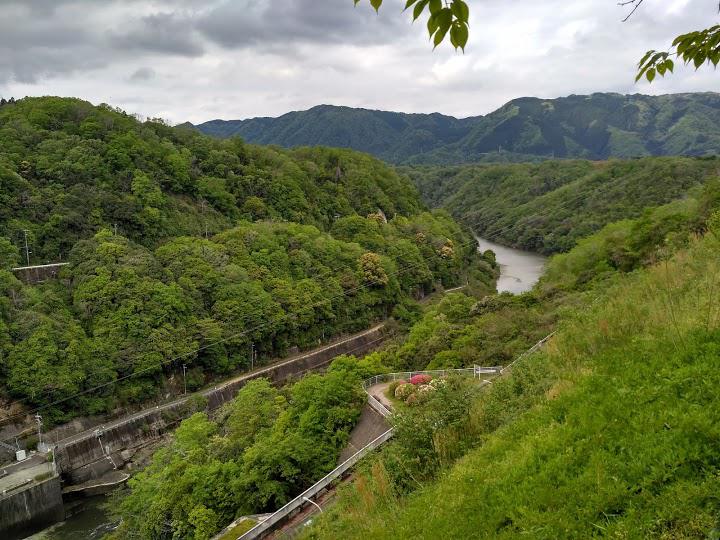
x=32, y=275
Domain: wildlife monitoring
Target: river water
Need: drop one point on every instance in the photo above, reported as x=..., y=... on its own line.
x=519, y=270
x=89, y=521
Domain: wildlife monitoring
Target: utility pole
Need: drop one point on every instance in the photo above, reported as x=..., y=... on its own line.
x=27, y=248
x=38, y=419
x=184, y=379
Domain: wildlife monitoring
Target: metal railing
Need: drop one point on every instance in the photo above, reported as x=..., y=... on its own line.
x=475, y=371
x=299, y=501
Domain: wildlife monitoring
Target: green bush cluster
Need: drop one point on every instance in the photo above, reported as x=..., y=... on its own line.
x=265, y=447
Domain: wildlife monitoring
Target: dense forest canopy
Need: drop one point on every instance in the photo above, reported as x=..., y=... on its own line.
x=185, y=249
x=547, y=207
x=598, y=126
x=68, y=168
x=253, y=458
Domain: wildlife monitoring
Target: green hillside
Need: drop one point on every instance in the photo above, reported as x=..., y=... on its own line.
x=598, y=126
x=185, y=249
x=610, y=432
x=547, y=207
x=388, y=135
x=68, y=168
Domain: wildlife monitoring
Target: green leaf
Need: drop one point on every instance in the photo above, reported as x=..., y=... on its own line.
x=670, y=65
x=376, y=4
x=460, y=10
x=459, y=35
x=443, y=21
x=650, y=74
x=419, y=8
x=409, y=3
x=439, y=36
x=646, y=57
x=435, y=6
x=432, y=24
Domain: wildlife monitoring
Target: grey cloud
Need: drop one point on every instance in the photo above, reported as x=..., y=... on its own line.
x=162, y=33
x=265, y=23
x=142, y=74
x=199, y=59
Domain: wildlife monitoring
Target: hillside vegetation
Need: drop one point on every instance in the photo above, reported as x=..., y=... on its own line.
x=547, y=207
x=598, y=126
x=611, y=431
x=68, y=168
x=189, y=250
x=263, y=448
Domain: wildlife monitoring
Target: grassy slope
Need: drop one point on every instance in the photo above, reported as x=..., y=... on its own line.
x=625, y=443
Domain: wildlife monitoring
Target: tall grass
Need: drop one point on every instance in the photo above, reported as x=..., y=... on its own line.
x=613, y=431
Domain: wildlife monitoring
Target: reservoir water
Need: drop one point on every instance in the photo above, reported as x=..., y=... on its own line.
x=519, y=270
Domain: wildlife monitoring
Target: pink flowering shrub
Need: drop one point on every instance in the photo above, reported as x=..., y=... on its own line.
x=420, y=379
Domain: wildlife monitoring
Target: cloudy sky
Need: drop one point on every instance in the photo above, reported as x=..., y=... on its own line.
x=202, y=59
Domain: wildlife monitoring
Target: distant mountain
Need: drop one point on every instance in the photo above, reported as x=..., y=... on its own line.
x=392, y=136
x=597, y=126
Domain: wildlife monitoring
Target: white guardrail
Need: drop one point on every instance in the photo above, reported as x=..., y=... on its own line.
x=298, y=502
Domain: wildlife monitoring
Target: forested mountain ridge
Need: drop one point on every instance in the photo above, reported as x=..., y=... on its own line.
x=547, y=207
x=596, y=126
x=67, y=168
x=185, y=246
x=388, y=135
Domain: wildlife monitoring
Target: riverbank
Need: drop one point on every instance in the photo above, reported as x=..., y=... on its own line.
x=519, y=270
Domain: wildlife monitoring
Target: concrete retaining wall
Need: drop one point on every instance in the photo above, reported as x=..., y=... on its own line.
x=90, y=456
x=31, y=510
x=37, y=274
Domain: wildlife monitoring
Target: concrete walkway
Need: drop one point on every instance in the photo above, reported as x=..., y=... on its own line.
x=369, y=427
x=26, y=475
x=378, y=391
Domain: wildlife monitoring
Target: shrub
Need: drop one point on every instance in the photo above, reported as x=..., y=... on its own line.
x=438, y=383
x=393, y=386
x=412, y=399
x=404, y=391
x=420, y=379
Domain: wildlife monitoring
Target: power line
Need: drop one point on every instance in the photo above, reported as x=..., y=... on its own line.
x=261, y=326
x=218, y=342
x=264, y=370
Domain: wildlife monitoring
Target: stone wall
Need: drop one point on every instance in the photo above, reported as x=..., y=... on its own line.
x=37, y=274
x=92, y=454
